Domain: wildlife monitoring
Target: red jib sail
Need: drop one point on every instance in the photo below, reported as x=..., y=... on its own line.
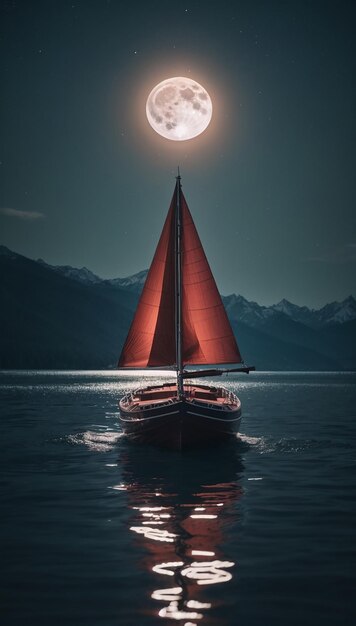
x=207, y=336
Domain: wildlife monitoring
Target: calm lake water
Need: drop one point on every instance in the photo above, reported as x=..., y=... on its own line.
x=96, y=531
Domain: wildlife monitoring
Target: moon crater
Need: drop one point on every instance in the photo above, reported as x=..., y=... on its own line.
x=175, y=110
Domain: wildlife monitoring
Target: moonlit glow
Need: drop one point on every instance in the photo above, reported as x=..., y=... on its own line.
x=179, y=108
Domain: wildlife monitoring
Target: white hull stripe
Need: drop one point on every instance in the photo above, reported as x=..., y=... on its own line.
x=155, y=417
x=145, y=419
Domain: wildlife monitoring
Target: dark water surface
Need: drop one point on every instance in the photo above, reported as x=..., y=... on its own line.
x=95, y=531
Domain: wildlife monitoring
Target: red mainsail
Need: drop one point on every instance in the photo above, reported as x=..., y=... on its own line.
x=207, y=336
x=206, y=331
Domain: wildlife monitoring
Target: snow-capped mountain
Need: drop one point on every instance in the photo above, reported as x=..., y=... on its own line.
x=134, y=282
x=82, y=275
x=333, y=313
x=254, y=315
x=337, y=312
x=251, y=313
x=297, y=313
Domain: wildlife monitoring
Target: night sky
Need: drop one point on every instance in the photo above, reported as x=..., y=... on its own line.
x=271, y=183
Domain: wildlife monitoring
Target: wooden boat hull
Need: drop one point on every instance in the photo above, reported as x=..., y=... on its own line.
x=181, y=424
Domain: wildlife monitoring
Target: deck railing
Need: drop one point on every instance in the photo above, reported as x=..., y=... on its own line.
x=228, y=398
x=129, y=399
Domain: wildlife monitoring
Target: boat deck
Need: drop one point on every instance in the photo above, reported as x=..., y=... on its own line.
x=213, y=396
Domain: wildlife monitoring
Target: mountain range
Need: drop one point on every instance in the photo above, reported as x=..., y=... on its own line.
x=65, y=317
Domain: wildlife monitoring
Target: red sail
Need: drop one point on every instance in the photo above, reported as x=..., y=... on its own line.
x=207, y=334
x=151, y=340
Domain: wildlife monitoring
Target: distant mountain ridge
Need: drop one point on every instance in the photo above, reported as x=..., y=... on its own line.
x=83, y=275
x=236, y=305
x=49, y=320
x=256, y=315
x=65, y=317
x=134, y=283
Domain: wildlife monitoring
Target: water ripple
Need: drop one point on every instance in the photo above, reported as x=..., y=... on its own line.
x=98, y=442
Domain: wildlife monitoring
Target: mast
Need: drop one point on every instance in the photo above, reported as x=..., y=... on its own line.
x=178, y=289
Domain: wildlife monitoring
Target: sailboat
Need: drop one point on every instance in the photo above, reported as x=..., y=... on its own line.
x=180, y=321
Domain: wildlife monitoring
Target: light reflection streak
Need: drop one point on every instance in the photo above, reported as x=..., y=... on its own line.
x=162, y=568
x=149, y=508
x=167, y=594
x=154, y=533
x=191, y=524
x=194, y=604
x=173, y=612
x=209, y=572
x=207, y=516
x=154, y=516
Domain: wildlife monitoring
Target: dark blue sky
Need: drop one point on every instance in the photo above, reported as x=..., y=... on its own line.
x=271, y=183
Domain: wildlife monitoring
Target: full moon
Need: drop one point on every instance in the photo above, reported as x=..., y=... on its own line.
x=179, y=108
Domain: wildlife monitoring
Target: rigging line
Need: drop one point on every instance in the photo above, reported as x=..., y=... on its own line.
x=178, y=276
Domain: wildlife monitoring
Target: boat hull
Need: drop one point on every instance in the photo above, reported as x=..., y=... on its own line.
x=181, y=424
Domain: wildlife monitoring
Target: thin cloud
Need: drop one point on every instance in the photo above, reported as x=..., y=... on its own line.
x=22, y=215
